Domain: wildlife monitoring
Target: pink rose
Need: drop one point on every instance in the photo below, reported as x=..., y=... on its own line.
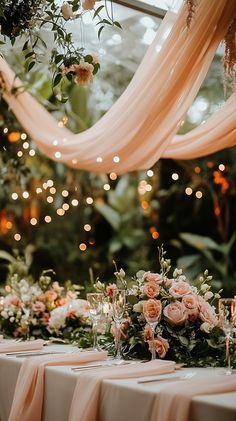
x=190, y=301
x=161, y=346
x=12, y=300
x=175, y=313
x=179, y=289
x=38, y=307
x=88, y=4
x=152, y=309
x=192, y=314
x=45, y=318
x=151, y=289
x=61, y=302
x=148, y=334
x=207, y=312
x=168, y=282
x=153, y=277
x=50, y=295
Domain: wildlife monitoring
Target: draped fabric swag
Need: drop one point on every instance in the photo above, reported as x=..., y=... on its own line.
x=141, y=126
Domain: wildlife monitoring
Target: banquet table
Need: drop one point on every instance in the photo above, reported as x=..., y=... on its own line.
x=125, y=399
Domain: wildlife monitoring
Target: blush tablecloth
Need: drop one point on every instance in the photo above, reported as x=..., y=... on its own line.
x=125, y=400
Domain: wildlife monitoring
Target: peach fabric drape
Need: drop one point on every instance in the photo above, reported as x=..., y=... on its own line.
x=173, y=402
x=141, y=126
x=29, y=391
x=85, y=403
x=14, y=346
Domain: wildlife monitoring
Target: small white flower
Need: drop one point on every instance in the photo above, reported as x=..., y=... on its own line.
x=177, y=272
x=181, y=278
x=193, y=289
x=12, y=319
x=206, y=327
x=4, y=314
x=25, y=298
x=217, y=295
x=23, y=283
x=204, y=287
x=24, y=290
x=208, y=295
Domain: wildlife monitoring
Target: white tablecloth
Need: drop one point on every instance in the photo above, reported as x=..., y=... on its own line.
x=124, y=400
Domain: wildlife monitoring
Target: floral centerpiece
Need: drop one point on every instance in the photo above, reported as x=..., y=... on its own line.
x=42, y=308
x=188, y=328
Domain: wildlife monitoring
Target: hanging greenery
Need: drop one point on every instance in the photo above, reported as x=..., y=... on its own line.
x=26, y=19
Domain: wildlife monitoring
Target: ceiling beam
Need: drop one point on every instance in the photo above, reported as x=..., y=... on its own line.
x=148, y=9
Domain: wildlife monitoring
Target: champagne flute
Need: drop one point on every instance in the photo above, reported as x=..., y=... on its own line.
x=152, y=312
x=96, y=302
x=227, y=316
x=118, y=309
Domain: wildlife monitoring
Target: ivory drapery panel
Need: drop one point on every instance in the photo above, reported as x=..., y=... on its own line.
x=141, y=126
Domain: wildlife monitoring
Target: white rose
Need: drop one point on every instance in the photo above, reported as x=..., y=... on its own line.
x=206, y=327
x=208, y=295
x=4, y=314
x=138, y=308
x=58, y=318
x=66, y=11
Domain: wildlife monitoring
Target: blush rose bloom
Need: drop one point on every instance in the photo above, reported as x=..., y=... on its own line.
x=38, y=307
x=152, y=309
x=179, y=289
x=148, y=334
x=153, y=277
x=66, y=11
x=161, y=346
x=88, y=4
x=151, y=289
x=175, y=313
x=83, y=73
x=190, y=301
x=50, y=295
x=207, y=313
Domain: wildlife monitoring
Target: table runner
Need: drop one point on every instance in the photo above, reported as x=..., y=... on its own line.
x=85, y=402
x=29, y=391
x=173, y=402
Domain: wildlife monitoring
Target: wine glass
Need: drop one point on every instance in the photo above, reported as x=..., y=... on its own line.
x=227, y=317
x=118, y=309
x=152, y=312
x=96, y=302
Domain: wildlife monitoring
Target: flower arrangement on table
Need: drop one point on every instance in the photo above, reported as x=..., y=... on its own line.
x=188, y=328
x=30, y=309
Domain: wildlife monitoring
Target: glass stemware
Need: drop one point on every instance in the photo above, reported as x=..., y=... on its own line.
x=227, y=316
x=118, y=309
x=96, y=302
x=151, y=312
